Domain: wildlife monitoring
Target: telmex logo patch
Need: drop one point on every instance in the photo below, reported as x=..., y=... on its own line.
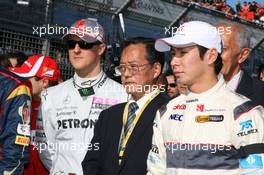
x=209, y=118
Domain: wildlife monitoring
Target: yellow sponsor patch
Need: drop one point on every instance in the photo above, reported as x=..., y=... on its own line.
x=22, y=140
x=209, y=118
x=202, y=118
x=20, y=90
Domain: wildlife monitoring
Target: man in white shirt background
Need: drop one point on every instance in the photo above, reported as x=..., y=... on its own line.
x=236, y=49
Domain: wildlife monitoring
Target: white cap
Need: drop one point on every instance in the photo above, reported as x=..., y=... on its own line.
x=192, y=33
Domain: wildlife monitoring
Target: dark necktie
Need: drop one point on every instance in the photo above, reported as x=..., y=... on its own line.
x=132, y=107
x=130, y=116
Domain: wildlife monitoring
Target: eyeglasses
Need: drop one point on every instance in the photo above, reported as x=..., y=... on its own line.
x=133, y=68
x=172, y=85
x=82, y=44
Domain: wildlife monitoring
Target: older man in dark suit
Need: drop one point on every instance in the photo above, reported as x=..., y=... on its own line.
x=235, y=51
x=123, y=132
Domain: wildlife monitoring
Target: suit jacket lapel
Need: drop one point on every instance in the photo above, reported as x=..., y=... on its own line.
x=145, y=121
x=116, y=128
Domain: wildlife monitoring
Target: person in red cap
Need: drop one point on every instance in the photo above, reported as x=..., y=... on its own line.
x=42, y=72
x=71, y=109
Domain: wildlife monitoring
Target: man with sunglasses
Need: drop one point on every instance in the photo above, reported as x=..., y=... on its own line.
x=210, y=129
x=172, y=89
x=70, y=110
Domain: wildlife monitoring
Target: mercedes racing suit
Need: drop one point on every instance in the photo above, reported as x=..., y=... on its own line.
x=15, y=113
x=205, y=134
x=68, y=121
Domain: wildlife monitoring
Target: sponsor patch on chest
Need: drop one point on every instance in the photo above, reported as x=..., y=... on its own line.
x=209, y=118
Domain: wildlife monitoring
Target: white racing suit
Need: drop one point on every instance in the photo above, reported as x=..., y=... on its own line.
x=66, y=122
x=203, y=134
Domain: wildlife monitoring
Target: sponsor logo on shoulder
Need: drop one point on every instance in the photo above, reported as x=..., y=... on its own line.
x=246, y=128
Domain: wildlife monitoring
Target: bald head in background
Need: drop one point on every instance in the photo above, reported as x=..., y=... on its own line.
x=236, y=49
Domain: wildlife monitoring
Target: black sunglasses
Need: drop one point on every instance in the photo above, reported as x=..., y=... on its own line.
x=172, y=85
x=82, y=44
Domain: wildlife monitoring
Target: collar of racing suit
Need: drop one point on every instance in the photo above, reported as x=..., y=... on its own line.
x=208, y=93
x=87, y=82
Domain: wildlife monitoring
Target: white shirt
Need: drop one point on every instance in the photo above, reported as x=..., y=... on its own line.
x=141, y=102
x=233, y=83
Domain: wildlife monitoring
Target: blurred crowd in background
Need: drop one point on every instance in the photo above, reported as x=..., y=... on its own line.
x=250, y=11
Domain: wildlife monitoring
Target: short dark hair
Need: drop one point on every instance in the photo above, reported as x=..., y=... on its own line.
x=21, y=57
x=51, y=82
x=4, y=61
x=153, y=55
x=218, y=62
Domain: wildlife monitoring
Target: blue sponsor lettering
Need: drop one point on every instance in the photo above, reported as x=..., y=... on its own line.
x=176, y=117
x=246, y=125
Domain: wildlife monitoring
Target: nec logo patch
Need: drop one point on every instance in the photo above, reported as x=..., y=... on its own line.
x=176, y=117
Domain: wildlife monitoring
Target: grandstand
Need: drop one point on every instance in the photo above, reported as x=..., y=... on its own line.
x=152, y=18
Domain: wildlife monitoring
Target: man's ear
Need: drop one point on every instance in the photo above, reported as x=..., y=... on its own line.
x=101, y=49
x=211, y=56
x=243, y=55
x=157, y=70
x=45, y=83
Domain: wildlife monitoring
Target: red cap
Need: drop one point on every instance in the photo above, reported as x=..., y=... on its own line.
x=40, y=66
